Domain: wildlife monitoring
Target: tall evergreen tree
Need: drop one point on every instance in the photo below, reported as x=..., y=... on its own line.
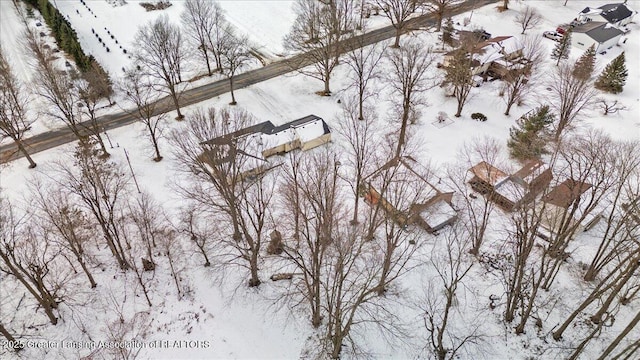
x=614, y=76
x=447, y=32
x=528, y=138
x=583, y=69
x=563, y=47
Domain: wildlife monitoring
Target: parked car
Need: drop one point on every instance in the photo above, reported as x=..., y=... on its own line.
x=552, y=35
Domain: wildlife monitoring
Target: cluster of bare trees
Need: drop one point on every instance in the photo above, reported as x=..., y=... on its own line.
x=52, y=242
x=15, y=120
x=72, y=98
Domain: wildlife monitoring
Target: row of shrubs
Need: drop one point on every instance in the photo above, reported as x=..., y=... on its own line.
x=65, y=36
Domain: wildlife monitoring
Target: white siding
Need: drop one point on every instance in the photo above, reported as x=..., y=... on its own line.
x=583, y=41
x=610, y=43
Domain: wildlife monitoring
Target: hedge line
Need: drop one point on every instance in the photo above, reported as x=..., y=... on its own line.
x=65, y=36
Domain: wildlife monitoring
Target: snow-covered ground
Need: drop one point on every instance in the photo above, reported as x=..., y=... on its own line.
x=244, y=323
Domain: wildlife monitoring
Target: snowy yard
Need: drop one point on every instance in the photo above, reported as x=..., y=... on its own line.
x=221, y=317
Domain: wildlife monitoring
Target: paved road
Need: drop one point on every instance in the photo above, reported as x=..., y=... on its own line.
x=51, y=139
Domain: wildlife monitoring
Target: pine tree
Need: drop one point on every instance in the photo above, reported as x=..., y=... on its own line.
x=583, y=69
x=528, y=138
x=447, y=32
x=562, y=48
x=614, y=76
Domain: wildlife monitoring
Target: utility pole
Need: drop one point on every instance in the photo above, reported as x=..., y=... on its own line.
x=131, y=168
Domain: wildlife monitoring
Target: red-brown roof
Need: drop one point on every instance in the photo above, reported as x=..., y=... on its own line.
x=566, y=193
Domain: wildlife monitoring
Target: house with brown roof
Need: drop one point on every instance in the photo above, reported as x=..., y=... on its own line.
x=415, y=202
x=563, y=207
x=485, y=177
x=510, y=192
x=523, y=186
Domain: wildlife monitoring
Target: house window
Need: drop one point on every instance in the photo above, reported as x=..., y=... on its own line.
x=579, y=43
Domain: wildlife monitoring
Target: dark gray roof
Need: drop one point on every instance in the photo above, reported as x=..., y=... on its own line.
x=263, y=127
x=297, y=123
x=598, y=31
x=266, y=127
x=615, y=12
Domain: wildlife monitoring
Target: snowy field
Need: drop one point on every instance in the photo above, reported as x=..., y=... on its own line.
x=237, y=322
x=264, y=22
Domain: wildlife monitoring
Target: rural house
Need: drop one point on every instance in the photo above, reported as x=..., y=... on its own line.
x=618, y=14
x=523, y=186
x=563, y=207
x=501, y=49
x=601, y=35
x=402, y=190
x=251, y=146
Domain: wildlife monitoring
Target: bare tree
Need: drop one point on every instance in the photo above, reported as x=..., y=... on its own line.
x=520, y=82
x=441, y=295
x=476, y=210
x=410, y=65
x=100, y=186
x=143, y=94
x=458, y=74
x=584, y=164
x=610, y=108
x=614, y=278
x=161, y=55
x=313, y=192
x=55, y=86
x=362, y=144
x=29, y=258
x=220, y=167
x=14, y=119
x=90, y=99
x=196, y=230
x=220, y=36
x=398, y=12
x=7, y=335
x=68, y=222
x=631, y=349
x=317, y=35
x=441, y=9
x=363, y=63
x=528, y=18
x=200, y=19
x=234, y=57
x=621, y=226
x=571, y=96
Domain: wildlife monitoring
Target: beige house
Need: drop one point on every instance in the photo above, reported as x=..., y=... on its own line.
x=563, y=208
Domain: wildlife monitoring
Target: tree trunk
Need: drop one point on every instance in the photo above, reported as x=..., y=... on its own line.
x=327, y=90
x=622, y=335
x=155, y=147
x=233, y=97
x=86, y=271
x=22, y=149
x=255, y=280
x=396, y=43
x=7, y=335
x=174, y=97
x=206, y=58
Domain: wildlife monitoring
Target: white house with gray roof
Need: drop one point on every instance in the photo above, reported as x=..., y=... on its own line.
x=601, y=34
x=618, y=14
